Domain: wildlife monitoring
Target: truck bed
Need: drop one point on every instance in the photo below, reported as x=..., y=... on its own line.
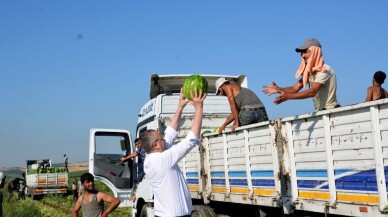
x=332, y=161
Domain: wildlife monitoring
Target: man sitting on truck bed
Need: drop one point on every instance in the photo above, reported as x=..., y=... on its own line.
x=245, y=106
x=171, y=194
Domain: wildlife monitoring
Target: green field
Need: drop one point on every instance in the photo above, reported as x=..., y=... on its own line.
x=49, y=205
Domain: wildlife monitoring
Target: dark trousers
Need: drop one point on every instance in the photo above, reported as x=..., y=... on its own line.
x=1, y=204
x=252, y=116
x=75, y=195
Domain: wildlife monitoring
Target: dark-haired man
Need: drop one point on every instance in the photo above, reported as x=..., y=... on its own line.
x=244, y=104
x=140, y=153
x=376, y=92
x=92, y=201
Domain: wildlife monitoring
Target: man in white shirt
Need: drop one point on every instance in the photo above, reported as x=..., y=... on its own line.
x=171, y=194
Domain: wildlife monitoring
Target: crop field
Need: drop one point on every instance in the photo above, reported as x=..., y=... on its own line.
x=50, y=205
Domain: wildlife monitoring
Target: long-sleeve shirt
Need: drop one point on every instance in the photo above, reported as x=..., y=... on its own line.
x=171, y=194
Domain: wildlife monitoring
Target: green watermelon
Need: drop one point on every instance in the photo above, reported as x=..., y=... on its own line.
x=205, y=132
x=194, y=82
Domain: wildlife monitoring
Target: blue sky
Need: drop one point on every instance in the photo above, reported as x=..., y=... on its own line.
x=68, y=66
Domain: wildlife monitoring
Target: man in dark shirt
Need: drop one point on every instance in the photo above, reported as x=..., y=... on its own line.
x=140, y=153
x=245, y=106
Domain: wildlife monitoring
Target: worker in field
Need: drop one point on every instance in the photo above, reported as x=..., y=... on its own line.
x=10, y=189
x=74, y=188
x=313, y=71
x=22, y=189
x=140, y=153
x=80, y=188
x=41, y=166
x=244, y=104
x=1, y=203
x=92, y=201
x=66, y=160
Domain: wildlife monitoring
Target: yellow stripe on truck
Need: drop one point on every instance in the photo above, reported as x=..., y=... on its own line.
x=343, y=197
x=256, y=191
x=219, y=189
x=239, y=190
x=193, y=187
x=346, y=197
x=265, y=192
x=314, y=195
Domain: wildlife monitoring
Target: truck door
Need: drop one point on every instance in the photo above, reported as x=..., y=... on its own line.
x=106, y=148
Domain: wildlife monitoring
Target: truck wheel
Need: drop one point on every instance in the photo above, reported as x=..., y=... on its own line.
x=32, y=191
x=268, y=212
x=202, y=211
x=26, y=191
x=143, y=212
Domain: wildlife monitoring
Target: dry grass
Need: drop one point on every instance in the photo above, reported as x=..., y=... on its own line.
x=74, y=167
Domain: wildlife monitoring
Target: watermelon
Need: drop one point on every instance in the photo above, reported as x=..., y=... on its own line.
x=194, y=82
x=205, y=132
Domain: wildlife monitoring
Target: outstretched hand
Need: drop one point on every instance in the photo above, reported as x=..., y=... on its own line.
x=281, y=98
x=197, y=97
x=271, y=89
x=182, y=100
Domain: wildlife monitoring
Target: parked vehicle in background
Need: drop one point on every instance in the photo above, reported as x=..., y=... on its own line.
x=42, y=178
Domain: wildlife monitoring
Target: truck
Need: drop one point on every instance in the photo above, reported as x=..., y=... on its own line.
x=42, y=178
x=107, y=146
x=319, y=163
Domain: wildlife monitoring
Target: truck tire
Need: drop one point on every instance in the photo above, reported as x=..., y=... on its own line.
x=269, y=212
x=202, y=211
x=143, y=212
x=30, y=192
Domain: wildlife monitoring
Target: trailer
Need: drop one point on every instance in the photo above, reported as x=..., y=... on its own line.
x=328, y=162
x=42, y=178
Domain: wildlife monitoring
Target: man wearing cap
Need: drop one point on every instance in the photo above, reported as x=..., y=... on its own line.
x=320, y=76
x=245, y=106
